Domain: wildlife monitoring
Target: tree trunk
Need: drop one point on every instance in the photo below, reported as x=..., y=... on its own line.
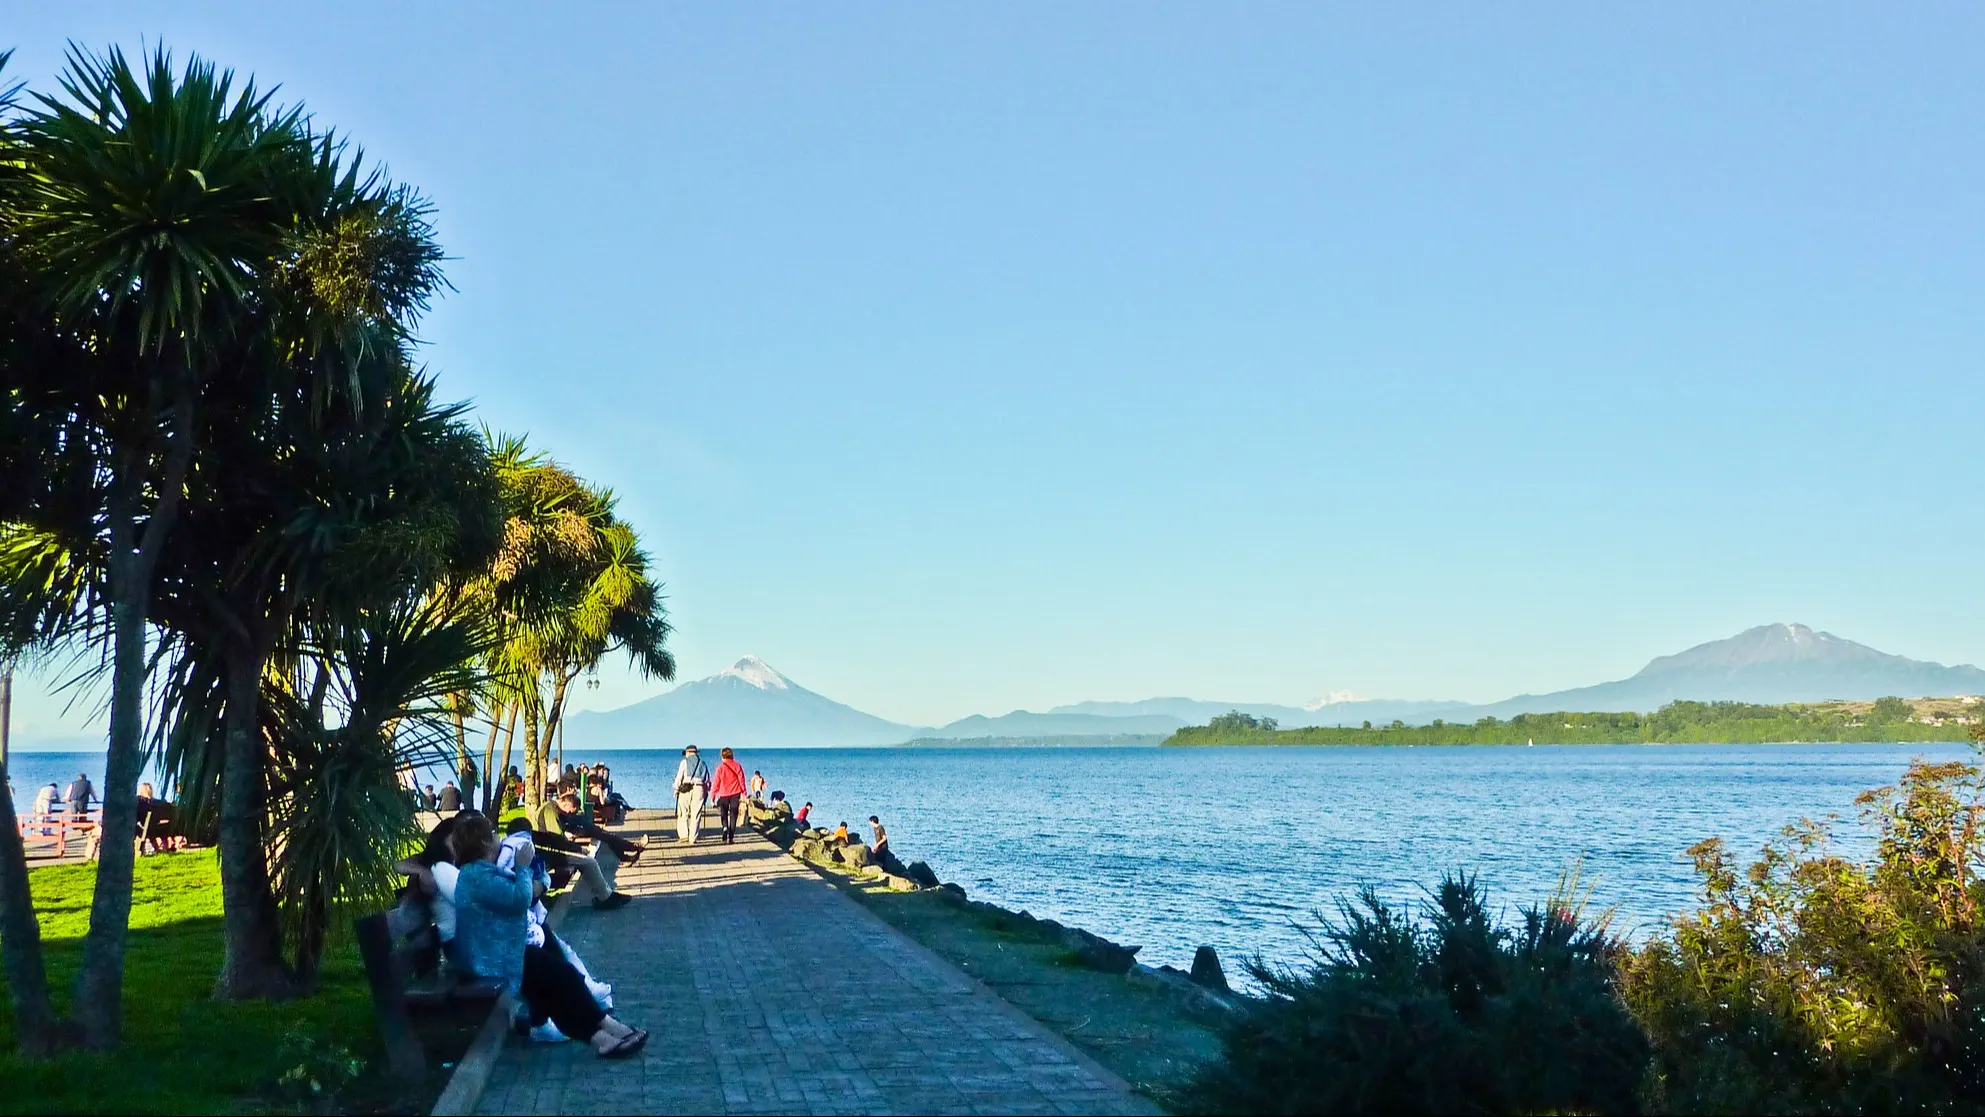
x=253, y=965
x=554, y=722
x=37, y=1030
x=99, y=999
x=509, y=739
x=100, y=985
x=458, y=709
x=533, y=762
x=488, y=759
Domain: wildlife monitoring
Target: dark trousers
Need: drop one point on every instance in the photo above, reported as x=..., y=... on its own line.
x=727, y=814
x=557, y=992
x=591, y=829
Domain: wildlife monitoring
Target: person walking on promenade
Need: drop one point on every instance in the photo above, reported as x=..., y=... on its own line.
x=692, y=778
x=728, y=789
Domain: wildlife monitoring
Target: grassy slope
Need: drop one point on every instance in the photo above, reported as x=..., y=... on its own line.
x=183, y=1052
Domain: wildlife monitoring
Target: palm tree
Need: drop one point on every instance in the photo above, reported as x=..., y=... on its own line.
x=362, y=702
x=569, y=586
x=212, y=270
x=141, y=215
x=308, y=523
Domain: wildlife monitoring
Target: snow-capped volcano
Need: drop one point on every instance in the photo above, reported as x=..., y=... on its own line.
x=1333, y=698
x=755, y=671
x=748, y=703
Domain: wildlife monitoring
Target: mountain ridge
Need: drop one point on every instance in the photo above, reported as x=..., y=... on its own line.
x=751, y=704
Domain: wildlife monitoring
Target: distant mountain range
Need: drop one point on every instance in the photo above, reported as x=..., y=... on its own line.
x=1770, y=664
x=750, y=704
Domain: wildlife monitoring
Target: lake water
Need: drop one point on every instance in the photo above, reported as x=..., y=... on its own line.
x=1237, y=847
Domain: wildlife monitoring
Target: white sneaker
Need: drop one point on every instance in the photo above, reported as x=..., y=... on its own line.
x=548, y=1032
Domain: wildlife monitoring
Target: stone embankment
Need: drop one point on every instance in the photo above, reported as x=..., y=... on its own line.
x=1202, y=991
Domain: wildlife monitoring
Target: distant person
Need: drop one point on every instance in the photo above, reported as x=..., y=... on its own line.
x=598, y=870
x=692, y=779
x=728, y=789
x=154, y=828
x=470, y=778
x=757, y=786
x=450, y=799
x=573, y=820
x=841, y=833
x=427, y=798
x=801, y=817
x=879, y=851
x=617, y=806
x=48, y=799
x=81, y=793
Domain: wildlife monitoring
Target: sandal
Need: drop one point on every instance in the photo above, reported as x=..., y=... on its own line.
x=628, y=1045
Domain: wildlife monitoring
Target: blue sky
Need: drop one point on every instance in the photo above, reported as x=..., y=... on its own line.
x=963, y=360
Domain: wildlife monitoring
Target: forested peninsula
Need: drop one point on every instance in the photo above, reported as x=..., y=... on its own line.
x=1886, y=719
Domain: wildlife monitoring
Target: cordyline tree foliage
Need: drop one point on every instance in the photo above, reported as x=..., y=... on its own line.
x=230, y=496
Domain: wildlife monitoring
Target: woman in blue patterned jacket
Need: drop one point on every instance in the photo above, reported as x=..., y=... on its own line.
x=492, y=941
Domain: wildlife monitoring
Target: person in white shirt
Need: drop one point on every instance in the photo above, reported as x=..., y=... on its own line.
x=692, y=779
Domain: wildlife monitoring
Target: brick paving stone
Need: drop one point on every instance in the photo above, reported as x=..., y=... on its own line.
x=769, y=991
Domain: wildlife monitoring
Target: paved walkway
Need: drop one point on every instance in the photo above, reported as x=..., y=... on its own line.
x=769, y=991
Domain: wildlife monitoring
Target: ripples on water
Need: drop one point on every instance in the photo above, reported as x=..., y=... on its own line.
x=1238, y=846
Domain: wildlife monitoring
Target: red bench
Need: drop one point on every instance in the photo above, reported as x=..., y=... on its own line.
x=55, y=829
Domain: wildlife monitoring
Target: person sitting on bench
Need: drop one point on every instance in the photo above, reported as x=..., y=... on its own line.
x=561, y=852
x=519, y=854
x=572, y=820
x=155, y=827
x=493, y=939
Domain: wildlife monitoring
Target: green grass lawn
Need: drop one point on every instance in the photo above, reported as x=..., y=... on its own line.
x=183, y=1052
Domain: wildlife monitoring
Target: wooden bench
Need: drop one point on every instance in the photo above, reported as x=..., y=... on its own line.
x=401, y=950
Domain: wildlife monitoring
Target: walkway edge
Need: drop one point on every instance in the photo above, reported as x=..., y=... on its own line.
x=465, y=1086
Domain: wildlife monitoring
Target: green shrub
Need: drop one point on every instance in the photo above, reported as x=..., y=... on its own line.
x=1817, y=984
x=1455, y=1014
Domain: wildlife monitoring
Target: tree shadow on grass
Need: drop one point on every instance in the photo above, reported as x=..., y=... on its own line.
x=187, y=1053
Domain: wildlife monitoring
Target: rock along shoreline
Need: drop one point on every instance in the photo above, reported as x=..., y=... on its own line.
x=1203, y=991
